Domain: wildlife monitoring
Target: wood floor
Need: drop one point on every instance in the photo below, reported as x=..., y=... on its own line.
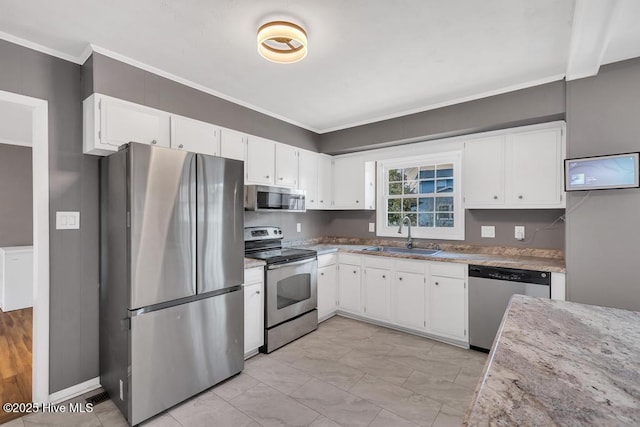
x=15, y=358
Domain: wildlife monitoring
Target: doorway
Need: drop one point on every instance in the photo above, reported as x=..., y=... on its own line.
x=24, y=230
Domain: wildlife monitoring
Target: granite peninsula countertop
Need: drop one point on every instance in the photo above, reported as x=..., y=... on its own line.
x=497, y=256
x=561, y=363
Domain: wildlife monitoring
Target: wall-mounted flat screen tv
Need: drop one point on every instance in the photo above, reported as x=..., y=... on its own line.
x=601, y=172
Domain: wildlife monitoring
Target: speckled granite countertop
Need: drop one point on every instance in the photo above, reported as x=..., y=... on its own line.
x=497, y=256
x=250, y=262
x=561, y=363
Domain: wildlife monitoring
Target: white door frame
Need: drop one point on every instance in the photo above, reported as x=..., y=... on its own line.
x=40, y=165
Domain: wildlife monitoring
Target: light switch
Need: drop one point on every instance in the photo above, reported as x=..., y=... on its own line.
x=372, y=227
x=67, y=220
x=488, y=231
x=519, y=232
x=299, y=227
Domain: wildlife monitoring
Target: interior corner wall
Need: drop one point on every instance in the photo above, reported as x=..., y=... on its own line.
x=537, y=104
x=16, y=196
x=603, y=232
x=73, y=186
x=124, y=81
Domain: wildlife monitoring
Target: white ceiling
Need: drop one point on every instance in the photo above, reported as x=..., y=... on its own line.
x=15, y=124
x=368, y=60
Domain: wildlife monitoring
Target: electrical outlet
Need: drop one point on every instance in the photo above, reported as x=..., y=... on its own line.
x=299, y=227
x=519, y=232
x=372, y=227
x=488, y=231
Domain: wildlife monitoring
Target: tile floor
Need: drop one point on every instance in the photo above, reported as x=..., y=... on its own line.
x=347, y=373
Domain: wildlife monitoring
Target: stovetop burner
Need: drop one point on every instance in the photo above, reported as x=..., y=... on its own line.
x=265, y=243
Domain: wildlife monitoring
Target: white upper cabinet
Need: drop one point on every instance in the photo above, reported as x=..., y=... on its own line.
x=535, y=162
x=195, y=136
x=260, y=166
x=286, y=165
x=353, y=183
x=110, y=123
x=325, y=181
x=309, y=178
x=520, y=168
x=483, y=171
x=233, y=144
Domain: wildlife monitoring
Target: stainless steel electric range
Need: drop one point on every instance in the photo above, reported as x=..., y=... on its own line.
x=290, y=286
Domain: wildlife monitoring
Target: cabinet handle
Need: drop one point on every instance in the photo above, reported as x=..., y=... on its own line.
x=281, y=178
x=257, y=292
x=495, y=197
x=154, y=142
x=520, y=197
x=267, y=176
x=180, y=146
x=354, y=272
x=400, y=278
x=357, y=201
x=321, y=201
x=322, y=274
x=311, y=201
x=437, y=283
x=384, y=277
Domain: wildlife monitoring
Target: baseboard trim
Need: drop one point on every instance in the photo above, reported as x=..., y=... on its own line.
x=74, y=391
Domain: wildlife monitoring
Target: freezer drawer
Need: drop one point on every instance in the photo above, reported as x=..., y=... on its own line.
x=182, y=350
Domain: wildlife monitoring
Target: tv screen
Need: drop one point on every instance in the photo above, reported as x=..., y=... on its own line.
x=602, y=172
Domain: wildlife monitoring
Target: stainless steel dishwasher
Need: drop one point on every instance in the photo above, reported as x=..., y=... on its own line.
x=490, y=289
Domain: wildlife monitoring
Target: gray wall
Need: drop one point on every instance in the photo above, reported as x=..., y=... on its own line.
x=16, y=196
x=312, y=223
x=537, y=104
x=73, y=186
x=356, y=224
x=111, y=77
x=603, y=233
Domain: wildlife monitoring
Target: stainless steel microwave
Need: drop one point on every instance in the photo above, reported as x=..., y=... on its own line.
x=266, y=198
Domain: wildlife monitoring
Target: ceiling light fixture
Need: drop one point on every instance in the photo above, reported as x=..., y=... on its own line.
x=283, y=42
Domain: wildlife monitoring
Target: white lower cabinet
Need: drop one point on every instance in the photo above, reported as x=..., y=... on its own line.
x=349, y=292
x=409, y=297
x=327, y=288
x=377, y=293
x=447, y=306
x=253, y=310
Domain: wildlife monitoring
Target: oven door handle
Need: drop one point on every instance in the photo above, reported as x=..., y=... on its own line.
x=290, y=264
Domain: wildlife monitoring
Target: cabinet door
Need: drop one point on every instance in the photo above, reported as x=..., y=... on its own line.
x=123, y=122
x=535, y=163
x=253, y=317
x=409, y=297
x=447, y=310
x=232, y=144
x=484, y=171
x=309, y=177
x=377, y=293
x=195, y=136
x=348, y=183
x=286, y=165
x=327, y=291
x=349, y=288
x=260, y=160
x=325, y=182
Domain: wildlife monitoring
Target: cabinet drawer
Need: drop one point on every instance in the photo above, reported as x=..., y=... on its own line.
x=378, y=262
x=353, y=259
x=253, y=275
x=410, y=266
x=448, y=269
x=328, y=259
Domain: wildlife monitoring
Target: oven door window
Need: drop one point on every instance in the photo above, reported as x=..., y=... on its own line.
x=293, y=289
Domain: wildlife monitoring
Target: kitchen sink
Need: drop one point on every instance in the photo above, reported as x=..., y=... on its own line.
x=393, y=249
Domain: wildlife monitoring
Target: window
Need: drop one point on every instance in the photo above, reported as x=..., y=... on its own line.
x=427, y=190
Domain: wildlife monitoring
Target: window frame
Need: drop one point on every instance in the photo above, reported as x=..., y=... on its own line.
x=457, y=232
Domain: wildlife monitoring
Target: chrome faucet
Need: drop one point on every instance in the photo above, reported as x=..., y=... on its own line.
x=409, y=243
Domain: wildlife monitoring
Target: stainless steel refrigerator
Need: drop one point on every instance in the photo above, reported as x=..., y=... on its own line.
x=172, y=266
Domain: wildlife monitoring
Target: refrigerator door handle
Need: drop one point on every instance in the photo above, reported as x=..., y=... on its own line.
x=193, y=218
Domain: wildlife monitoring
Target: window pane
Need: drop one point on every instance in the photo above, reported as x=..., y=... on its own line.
x=395, y=189
x=426, y=187
x=444, y=204
x=394, y=205
x=427, y=172
x=445, y=171
x=444, y=186
x=425, y=220
x=411, y=187
x=425, y=204
x=409, y=205
x=393, y=219
x=395, y=175
x=410, y=174
x=444, y=220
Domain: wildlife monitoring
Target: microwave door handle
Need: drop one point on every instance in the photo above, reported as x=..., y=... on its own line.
x=290, y=264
